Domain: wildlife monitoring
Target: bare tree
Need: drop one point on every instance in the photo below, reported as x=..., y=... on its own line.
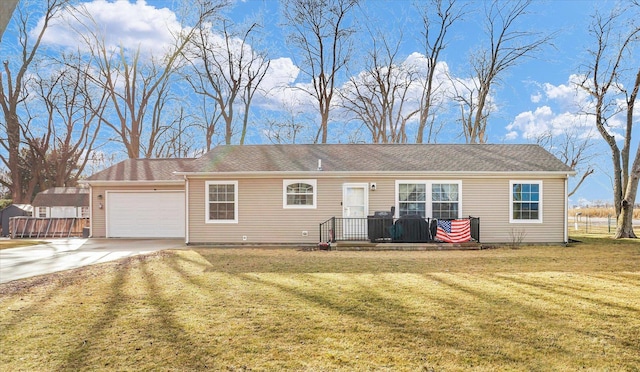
x=508, y=45
x=615, y=37
x=290, y=126
x=132, y=88
x=377, y=96
x=572, y=148
x=287, y=130
x=73, y=109
x=228, y=71
x=13, y=92
x=60, y=125
x=208, y=120
x=320, y=30
x=138, y=87
x=181, y=137
x=438, y=16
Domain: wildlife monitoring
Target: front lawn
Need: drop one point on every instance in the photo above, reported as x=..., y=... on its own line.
x=16, y=243
x=532, y=308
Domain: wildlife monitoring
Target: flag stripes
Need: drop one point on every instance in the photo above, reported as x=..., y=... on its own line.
x=454, y=231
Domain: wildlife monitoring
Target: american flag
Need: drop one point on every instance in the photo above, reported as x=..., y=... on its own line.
x=454, y=231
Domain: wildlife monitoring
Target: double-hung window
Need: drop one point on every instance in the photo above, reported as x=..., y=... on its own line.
x=526, y=201
x=222, y=201
x=445, y=201
x=412, y=199
x=434, y=199
x=301, y=194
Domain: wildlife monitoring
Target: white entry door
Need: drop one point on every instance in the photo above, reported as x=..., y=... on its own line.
x=355, y=207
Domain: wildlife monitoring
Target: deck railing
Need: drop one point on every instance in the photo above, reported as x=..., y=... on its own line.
x=386, y=229
x=55, y=227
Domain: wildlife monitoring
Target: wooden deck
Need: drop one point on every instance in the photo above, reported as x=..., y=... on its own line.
x=368, y=246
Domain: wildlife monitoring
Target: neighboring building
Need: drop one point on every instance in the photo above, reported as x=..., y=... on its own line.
x=281, y=193
x=13, y=210
x=62, y=202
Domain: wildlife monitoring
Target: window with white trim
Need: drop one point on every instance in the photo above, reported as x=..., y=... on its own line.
x=299, y=194
x=42, y=212
x=434, y=199
x=526, y=201
x=221, y=201
x=412, y=199
x=445, y=201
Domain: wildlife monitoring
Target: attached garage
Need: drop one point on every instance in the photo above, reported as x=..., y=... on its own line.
x=145, y=214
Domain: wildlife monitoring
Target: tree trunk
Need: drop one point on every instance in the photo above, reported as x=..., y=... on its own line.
x=624, y=228
x=13, y=134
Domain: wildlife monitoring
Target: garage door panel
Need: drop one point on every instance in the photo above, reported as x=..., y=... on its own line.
x=145, y=214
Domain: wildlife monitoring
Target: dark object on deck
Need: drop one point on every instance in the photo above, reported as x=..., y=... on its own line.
x=411, y=228
x=475, y=228
x=433, y=229
x=379, y=226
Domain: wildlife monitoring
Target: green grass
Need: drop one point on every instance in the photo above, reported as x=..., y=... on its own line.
x=532, y=308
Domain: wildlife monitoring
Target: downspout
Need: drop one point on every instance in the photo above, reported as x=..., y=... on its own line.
x=566, y=209
x=186, y=210
x=90, y=211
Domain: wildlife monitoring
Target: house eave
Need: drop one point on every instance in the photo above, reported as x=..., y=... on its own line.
x=388, y=174
x=133, y=183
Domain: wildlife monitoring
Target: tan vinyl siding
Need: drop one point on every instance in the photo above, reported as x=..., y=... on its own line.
x=262, y=218
x=98, y=222
x=489, y=199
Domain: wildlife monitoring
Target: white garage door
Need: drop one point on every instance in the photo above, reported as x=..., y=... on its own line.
x=155, y=214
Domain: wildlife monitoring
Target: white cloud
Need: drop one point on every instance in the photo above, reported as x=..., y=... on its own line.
x=512, y=135
x=282, y=72
x=120, y=23
x=544, y=121
x=566, y=109
x=413, y=72
x=536, y=98
x=278, y=88
x=568, y=96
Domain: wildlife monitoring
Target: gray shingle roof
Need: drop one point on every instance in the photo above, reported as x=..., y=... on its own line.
x=62, y=197
x=144, y=170
x=341, y=158
x=380, y=158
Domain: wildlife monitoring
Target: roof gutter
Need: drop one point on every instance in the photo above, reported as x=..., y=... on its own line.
x=387, y=174
x=186, y=211
x=566, y=210
x=133, y=183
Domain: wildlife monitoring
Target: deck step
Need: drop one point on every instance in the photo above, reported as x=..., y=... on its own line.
x=368, y=246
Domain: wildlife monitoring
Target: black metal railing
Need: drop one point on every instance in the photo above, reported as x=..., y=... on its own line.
x=406, y=229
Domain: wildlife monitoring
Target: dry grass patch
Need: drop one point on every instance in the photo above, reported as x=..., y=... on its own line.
x=535, y=308
x=15, y=243
x=600, y=212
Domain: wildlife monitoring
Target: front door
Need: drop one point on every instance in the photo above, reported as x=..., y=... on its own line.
x=355, y=207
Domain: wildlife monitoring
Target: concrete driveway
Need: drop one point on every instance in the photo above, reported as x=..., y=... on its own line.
x=65, y=254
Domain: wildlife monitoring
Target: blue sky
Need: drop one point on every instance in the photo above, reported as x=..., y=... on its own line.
x=534, y=96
